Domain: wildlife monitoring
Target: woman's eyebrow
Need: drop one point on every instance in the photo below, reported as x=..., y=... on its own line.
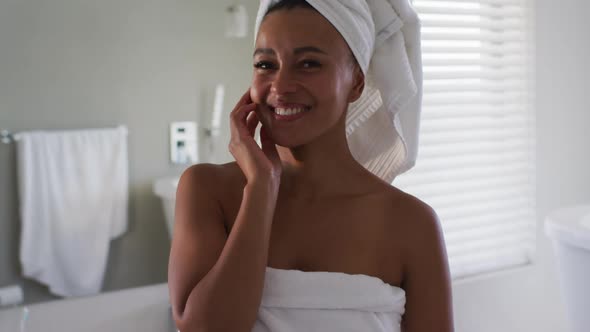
x=270, y=51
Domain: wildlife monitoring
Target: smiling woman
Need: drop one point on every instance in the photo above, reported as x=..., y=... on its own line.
x=309, y=219
x=302, y=63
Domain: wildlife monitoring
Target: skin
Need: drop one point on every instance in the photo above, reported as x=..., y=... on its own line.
x=331, y=213
x=314, y=152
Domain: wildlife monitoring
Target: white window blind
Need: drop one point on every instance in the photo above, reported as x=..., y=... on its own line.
x=476, y=163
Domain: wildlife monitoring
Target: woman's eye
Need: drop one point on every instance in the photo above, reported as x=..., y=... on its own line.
x=310, y=64
x=263, y=65
x=306, y=64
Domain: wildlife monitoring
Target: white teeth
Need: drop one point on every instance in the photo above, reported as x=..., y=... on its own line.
x=288, y=111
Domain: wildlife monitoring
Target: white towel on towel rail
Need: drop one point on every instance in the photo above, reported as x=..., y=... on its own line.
x=73, y=190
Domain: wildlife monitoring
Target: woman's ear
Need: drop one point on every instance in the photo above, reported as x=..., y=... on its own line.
x=358, y=85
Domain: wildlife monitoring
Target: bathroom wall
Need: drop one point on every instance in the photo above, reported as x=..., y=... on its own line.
x=68, y=64
x=140, y=63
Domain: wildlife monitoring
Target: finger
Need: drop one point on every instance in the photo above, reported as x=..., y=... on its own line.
x=252, y=123
x=238, y=120
x=244, y=100
x=268, y=145
x=263, y=134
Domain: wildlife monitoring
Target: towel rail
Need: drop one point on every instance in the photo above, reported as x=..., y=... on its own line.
x=7, y=137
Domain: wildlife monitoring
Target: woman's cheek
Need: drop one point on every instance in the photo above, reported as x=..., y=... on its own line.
x=256, y=91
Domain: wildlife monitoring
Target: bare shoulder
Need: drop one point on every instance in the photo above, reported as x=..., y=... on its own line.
x=406, y=214
x=230, y=182
x=406, y=222
x=414, y=214
x=417, y=223
x=231, y=174
x=409, y=215
x=202, y=171
x=208, y=183
x=217, y=176
x=203, y=174
x=426, y=276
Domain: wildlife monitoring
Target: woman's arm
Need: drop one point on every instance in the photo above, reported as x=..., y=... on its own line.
x=427, y=281
x=215, y=280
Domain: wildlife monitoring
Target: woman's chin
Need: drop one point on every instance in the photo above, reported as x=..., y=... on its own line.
x=287, y=142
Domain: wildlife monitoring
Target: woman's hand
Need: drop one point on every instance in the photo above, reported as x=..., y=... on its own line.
x=258, y=164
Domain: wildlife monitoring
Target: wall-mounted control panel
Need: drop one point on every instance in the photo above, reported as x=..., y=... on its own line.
x=183, y=143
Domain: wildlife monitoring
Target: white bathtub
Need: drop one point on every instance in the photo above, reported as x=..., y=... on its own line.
x=569, y=229
x=135, y=309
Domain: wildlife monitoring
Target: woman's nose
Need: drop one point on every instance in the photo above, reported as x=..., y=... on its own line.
x=283, y=82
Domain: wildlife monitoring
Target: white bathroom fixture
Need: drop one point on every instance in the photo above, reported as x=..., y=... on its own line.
x=569, y=229
x=165, y=189
x=236, y=21
x=11, y=295
x=183, y=143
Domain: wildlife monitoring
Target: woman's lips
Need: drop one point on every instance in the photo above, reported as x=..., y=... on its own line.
x=291, y=117
x=288, y=105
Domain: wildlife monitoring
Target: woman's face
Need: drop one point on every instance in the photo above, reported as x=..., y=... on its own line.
x=301, y=61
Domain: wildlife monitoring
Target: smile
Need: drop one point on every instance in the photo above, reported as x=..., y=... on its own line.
x=289, y=113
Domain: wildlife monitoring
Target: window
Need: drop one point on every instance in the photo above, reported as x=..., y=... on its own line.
x=476, y=163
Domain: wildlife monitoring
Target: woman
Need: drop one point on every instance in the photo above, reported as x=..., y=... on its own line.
x=256, y=239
